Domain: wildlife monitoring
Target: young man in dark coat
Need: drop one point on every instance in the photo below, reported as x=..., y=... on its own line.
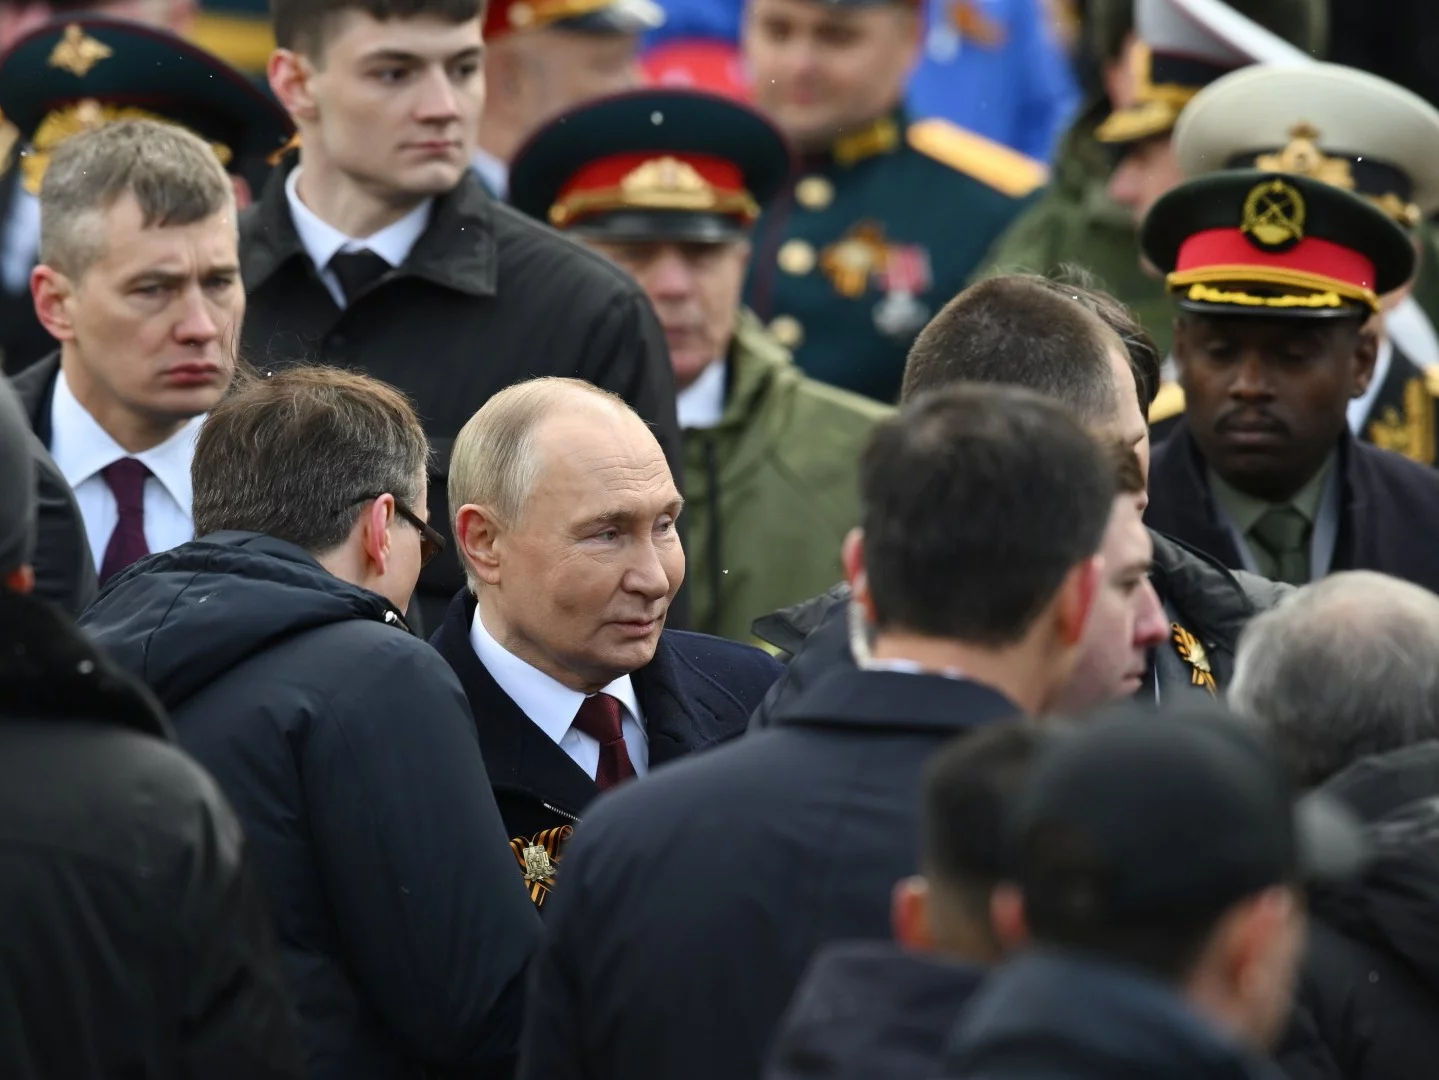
x=278, y=644
x=1342, y=680
x=1275, y=276
x=380, y=251
x=565, y=510
x=137, y=940
x=715, y=880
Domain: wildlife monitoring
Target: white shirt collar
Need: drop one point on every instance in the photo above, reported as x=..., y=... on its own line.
x=550, y=705
x=322, y=241
x=701, y=403
x=81, y=447
x=1358, y=409
x=494, y=172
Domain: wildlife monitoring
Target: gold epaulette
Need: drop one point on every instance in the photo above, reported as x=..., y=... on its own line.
x=1431, y=379
x=995, y=164
x=9, y=136
x=1169, y=402
x=242, y=41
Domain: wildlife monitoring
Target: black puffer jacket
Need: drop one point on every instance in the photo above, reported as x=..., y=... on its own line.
x=1209, y=601
x=136, y=942
x=1371, y=977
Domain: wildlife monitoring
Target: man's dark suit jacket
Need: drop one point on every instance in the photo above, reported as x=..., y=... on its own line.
x=689, y=904
x=1389, y=510
x=697, y=692
x=64, y=568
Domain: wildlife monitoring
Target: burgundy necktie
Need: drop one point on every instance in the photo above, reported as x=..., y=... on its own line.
x=601, y=718
x=126, y=478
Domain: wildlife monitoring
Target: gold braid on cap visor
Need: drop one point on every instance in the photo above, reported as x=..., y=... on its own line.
x=1323, y=292
x=83, y=116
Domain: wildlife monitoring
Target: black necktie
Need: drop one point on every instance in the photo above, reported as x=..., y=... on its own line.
x=357, y=271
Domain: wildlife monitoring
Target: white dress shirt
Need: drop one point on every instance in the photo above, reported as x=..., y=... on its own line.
x=551, y=706
x=322, y=241
x=494, y=172
x=701, y=403
x=81, y=448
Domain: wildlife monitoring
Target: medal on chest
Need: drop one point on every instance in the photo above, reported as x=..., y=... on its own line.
x=863, y=258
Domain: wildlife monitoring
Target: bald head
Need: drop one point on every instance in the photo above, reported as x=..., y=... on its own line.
x=1343, y=669
x=565, y=511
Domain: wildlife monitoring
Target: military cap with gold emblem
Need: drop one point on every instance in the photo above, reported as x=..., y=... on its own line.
x=74, y=74
x=1184, y=45
x=582, y=16
x=1333, y=123
x=1247, y=242
x=652, y=165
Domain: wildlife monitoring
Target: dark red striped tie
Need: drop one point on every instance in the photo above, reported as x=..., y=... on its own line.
x=126, y=478
x=601, y=717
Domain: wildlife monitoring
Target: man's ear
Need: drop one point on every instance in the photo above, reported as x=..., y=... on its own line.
x=909, y=914
x=289, y=74
x=375, y=532
x=1366, y=354
x=477, y=532
x=1075, y=599
x=852, y=558
x=51, y=292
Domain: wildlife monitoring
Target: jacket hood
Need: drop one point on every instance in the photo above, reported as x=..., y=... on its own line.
x=1394, y=906
x=182, y=618
x=870, y=1009
x=1084, y=1019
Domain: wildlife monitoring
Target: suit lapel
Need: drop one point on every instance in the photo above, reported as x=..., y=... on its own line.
x=684, y=709
x=1181, y=503
x=35, y=387
x=519, y=757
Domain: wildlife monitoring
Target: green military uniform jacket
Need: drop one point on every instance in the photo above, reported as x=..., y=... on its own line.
x=772, y=489
x=871, y=239
x=1076, y=222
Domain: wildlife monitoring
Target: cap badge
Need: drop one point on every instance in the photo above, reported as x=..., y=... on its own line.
x=539, y=857
x=668, y=183
x=1274, y=215
x=1191, y=651
x=1303, y=157
x=77, y=52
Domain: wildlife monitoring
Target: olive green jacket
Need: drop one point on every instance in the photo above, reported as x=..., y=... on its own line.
x=1076, y=222
x=772, y=489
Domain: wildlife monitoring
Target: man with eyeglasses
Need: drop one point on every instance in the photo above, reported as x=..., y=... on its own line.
x=277, y=641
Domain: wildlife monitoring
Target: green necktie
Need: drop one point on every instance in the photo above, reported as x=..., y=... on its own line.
x=1284, y=533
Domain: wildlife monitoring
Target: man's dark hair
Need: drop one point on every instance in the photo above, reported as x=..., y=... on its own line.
x=977, y=502
x=1018, y=330
x=1144, y=359
x=294, y=454
x=968, y=786
x=302, y=25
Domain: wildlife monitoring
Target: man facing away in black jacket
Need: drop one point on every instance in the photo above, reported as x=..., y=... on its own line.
x=690, y=903
x=136, y=940
x=1342, y=679
x=278, y=644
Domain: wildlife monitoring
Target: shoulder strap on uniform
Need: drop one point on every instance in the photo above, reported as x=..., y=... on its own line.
x=992, y=163
x=1431, y=379
x=9, y=136
x=1168, y=402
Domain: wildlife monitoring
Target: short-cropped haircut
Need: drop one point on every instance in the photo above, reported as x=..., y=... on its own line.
x=304, y=25
x=292, y=455
x=977, y=501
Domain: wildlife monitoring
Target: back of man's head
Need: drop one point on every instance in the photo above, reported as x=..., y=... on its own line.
x=171, y=173
x=294, y=454
x=18, y=503
x=977, y=504
x=303, y=25
x=1340, y=670
x=1080, y=285
x=968, y=788
x=1017, y=330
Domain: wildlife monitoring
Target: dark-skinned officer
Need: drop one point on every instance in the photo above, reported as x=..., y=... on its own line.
x=1275, y=276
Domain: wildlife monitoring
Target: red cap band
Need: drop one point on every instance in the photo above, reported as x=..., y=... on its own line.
x=1230, y=247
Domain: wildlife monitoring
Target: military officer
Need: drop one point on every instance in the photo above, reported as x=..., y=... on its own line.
x=70, y=75
x=543, y=57
x=1155, y=55
x=771, y=456
x=1364, y=134
x=1276, y=277
x=885, y=218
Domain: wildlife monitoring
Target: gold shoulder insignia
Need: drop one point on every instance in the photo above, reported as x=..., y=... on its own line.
x=1412, y=432
x=1431, y=379
x=995, y=164
x=241, y=41
x=9, y=137
x=1167, y=403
